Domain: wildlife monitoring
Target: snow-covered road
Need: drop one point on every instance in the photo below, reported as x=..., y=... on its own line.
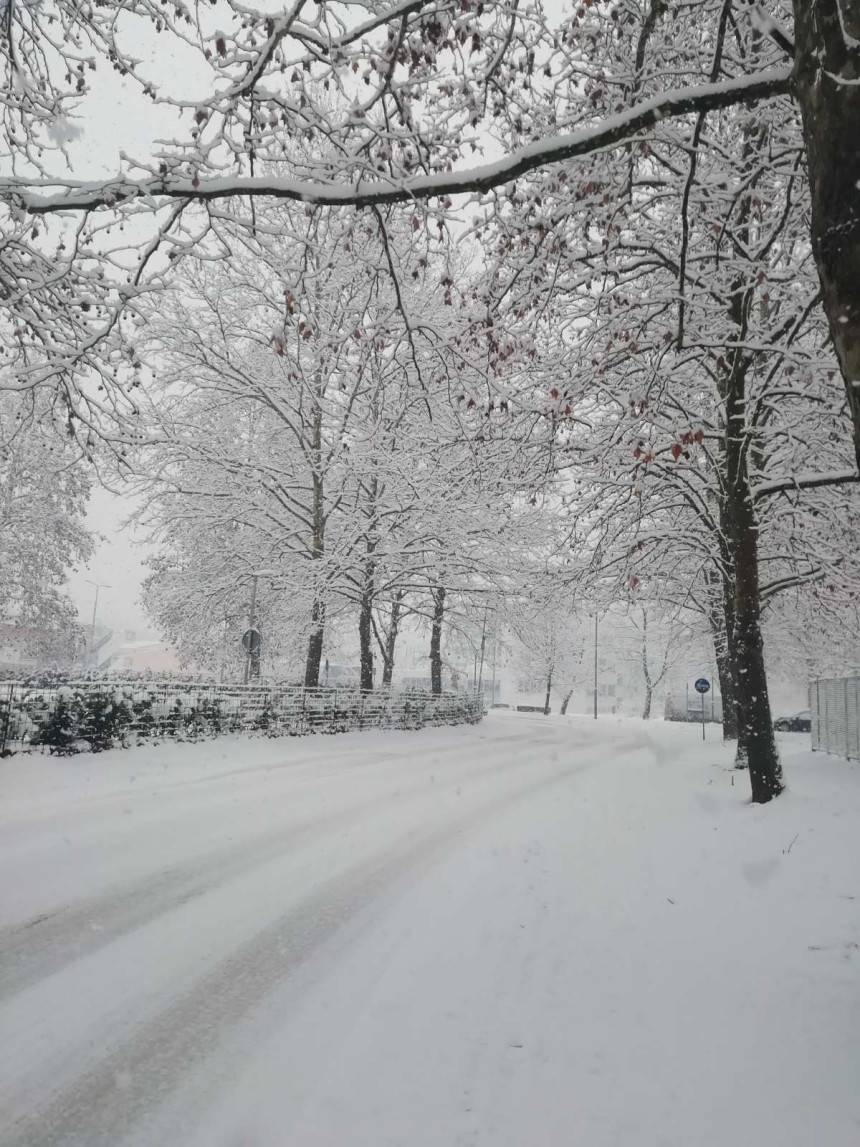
x=526, y=932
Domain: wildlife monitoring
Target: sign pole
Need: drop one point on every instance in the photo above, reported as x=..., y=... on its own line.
x=702, y=686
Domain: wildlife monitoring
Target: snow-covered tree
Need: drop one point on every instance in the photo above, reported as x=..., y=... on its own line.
x=549, y=645
x=43, y=496
x=640, y=146
x=684, y=351
x=312, y=415
x=400, y=94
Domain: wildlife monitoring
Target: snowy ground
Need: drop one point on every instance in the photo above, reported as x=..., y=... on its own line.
x=530, y=933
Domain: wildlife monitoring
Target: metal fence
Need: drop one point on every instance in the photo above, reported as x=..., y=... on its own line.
x=66, y=716
x=835, y=708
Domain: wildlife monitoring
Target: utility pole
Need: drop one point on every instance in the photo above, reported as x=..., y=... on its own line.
x=98, y=585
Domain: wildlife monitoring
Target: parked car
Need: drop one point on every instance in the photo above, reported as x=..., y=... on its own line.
x=800, y=723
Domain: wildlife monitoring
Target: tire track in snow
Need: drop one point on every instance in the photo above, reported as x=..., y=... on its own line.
x=36, y=948
x=302, y=771
x=110, y=1100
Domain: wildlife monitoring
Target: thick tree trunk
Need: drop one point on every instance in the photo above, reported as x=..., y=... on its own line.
x=727, y=693
x=548, y=692
x=739, y=541
x=566, y=702
x=726, y=666
x=391, y=641
x=646, y=708
x=365, y=642
x=436, y=640
x=746, y=649
x=827, y=75
x=313, y=660
x=365, y=621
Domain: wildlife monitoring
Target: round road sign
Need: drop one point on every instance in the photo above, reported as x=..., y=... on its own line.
x=251, y=640
x=702, y=685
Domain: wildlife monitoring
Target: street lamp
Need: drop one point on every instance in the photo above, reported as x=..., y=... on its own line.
x=99, y=585
x=252, y=664
x=595, y=666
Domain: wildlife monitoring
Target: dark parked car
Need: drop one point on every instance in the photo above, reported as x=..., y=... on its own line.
x=799, y=723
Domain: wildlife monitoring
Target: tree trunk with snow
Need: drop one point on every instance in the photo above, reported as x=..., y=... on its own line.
x=313, y=661
x=745, y=643
x=646, y=671
x=387, y=647
x=739, y=529
x=548, y=692
x=436, y=640
x=727, y=693
x=646, y=707
x=365, y=619
x=368, y=586
x=827, y=77
x=721, y=617
x=566, y=702
x=365, y=639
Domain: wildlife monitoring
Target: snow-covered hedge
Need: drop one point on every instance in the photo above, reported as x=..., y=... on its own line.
x=70, y=716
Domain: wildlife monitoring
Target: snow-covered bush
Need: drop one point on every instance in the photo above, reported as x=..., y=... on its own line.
x=58, y=720
x=107, y=719
x=74, y=716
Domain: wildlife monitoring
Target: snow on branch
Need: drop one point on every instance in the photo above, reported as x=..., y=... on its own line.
x=768, y=26
x=611, y=132
x=805, y=482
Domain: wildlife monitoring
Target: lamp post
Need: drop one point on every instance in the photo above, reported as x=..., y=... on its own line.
x=99, y=585
x=595, y=666
x=252, y=662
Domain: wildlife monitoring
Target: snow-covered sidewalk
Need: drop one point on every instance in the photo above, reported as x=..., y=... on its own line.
x=532, y=932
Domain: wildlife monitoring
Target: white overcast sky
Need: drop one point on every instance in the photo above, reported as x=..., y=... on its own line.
x=117, y=119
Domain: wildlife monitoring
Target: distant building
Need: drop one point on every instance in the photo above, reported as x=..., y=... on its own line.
x=140, y=656
x=342, y=675
x=688, y=705
x=415, y=682
x=27, y=649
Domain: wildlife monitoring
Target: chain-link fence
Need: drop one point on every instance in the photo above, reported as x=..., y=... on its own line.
x=835, y=708
x=67, y=716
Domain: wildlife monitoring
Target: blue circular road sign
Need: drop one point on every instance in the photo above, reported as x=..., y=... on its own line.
x=702, y=685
